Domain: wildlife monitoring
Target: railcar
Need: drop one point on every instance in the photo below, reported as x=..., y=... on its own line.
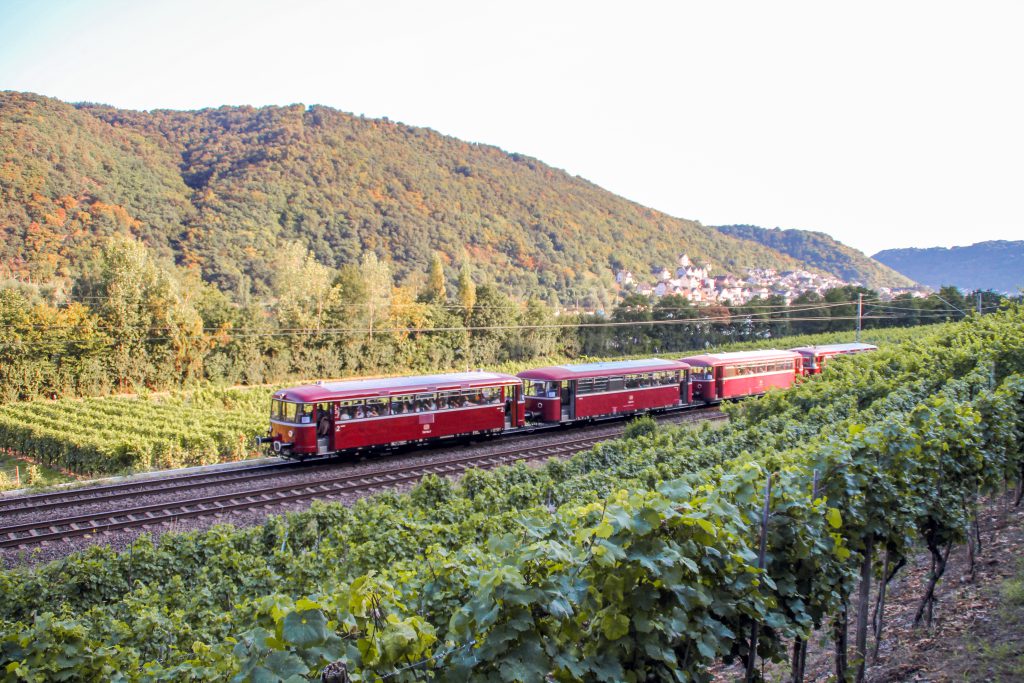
x=719, y=376
x=347, y=416
x=815, y=357
x=569, y=393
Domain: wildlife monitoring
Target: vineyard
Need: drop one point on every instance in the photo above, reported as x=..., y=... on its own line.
x=102, y=436
x=109, y=435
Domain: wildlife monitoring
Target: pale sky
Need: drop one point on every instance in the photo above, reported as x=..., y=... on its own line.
x=884, y=124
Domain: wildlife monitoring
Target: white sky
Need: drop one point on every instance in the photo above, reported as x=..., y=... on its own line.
x=884, y=124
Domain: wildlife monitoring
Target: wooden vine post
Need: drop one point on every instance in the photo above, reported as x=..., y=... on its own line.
x=762, y=552
x=863, y=600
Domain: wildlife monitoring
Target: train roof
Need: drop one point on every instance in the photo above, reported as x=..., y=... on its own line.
x=715, y=359
x=387, y=386
x=829, y=349
x=607, y=368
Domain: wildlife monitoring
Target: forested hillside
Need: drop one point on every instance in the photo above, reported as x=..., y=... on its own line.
x=821, y=251
x=224, y=188
x=997, y=265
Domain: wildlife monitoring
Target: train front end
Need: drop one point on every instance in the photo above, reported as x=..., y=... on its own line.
x=293, y=431
x=701, y=387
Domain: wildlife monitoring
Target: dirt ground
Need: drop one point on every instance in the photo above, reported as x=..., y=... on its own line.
x=977, y=632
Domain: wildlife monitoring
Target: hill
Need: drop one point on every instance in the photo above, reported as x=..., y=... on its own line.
x=997, y=265
x=821, y=251
x=223, y=189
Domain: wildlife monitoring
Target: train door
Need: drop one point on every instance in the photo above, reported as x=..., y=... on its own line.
x=685, y=388
x=324, y=428
x=568, y=401
x=513, y=402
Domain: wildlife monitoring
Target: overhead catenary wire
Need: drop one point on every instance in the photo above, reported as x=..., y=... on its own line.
x=315, y=332
x=732, y=314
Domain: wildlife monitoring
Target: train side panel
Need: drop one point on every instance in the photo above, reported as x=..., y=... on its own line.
x=417, y=426
x=626, y=401
x=543, y=409
x=748, y=385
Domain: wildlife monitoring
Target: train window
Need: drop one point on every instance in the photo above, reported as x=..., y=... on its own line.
x=426, y=403
x=534, y=388
x=616, y=383
x=491, y=395
x=305, y=413
x=288, y=411
x=631, y=381
x=585, y=386
x=700, y=373
x=275, y=409
x=400, y=405
x=600, y=384
x=351, y=410
x=376, y=407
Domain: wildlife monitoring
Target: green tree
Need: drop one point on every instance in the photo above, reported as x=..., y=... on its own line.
x=436, y=290
x=467, y=291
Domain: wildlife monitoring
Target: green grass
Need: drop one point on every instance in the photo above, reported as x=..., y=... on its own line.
x=14, y=469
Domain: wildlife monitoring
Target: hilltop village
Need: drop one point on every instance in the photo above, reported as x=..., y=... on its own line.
x=698, y=284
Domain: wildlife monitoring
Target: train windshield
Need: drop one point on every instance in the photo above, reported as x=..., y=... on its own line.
x=283, y=411
x=540, y=389
x=700, y=373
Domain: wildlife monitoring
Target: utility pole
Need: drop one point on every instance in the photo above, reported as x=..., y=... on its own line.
x=978, y=294
x=860, y=309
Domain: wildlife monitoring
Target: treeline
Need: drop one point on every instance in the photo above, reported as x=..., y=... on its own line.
x=672, y=323
x=134, y=322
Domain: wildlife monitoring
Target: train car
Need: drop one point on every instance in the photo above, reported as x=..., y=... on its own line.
x=333, y=417
x=567, y=393
x=815, y=357
x=719, y=376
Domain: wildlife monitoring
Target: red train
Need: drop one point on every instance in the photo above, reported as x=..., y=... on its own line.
x=349, y=416
x=815, y=357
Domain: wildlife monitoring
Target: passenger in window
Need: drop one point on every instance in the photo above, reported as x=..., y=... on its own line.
x=346, y=413
x=371, y=410
x=360, y=413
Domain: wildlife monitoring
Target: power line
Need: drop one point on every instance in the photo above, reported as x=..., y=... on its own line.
x=312, y=332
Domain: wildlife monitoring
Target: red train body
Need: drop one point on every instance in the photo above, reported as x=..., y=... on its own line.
x=719, y=376
x=333, y=417
x=350, y=416
x=567, y=393
x=815, y=357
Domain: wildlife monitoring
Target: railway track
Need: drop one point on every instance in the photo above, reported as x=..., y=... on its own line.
x=130, y=489
x=38, y=532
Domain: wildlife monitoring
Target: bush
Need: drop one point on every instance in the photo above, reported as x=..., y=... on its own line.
x=641, y=426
